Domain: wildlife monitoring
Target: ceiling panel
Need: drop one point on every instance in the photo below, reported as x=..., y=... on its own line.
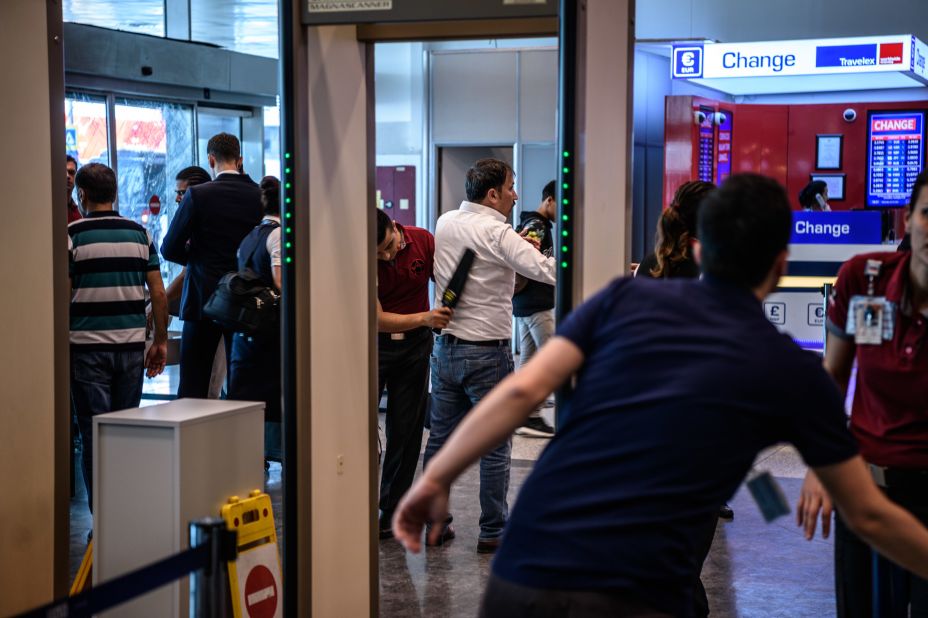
x=247, y=26
x=143, y=16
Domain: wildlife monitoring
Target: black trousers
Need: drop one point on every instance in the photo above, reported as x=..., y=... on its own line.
x=700, y=600
x=197, y=350
x=503, y=599
x=403, y=369
x=854, y=574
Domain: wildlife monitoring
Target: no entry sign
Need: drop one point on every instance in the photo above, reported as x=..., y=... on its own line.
x=259, y=582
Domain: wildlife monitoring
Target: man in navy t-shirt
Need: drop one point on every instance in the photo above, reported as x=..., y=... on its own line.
x=671, y=377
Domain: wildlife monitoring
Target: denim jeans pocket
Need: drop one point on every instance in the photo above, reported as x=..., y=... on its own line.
x=488, y=369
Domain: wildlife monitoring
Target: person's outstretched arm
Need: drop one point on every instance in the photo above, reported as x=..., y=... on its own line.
x=889, y=528
x=491, y=422
x=401, y=322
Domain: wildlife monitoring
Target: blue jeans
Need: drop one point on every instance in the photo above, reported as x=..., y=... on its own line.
x=102, y=382
x=462, y=375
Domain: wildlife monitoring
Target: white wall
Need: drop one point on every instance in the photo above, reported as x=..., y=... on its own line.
x=341, y=327
x=34, y=312
x=753, y=20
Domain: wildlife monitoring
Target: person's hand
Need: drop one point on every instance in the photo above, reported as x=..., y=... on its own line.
x=156, y=359
x=531, y=239
x=425, y=502
x=438, y=318
x=813, y=499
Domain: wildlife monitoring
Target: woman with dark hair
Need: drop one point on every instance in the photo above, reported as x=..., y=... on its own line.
x=814, y=196
x=673, y=257
x=254, y=372
x=676, y=231
x=877, y=318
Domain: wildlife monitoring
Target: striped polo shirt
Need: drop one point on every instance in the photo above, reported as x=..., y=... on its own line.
x=109, y=258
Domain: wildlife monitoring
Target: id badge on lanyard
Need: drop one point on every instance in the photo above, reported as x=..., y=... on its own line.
x=871, y=319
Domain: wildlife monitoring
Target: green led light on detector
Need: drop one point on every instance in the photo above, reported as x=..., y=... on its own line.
x=564, y=217
x=289, y=245
x=565, y=185
x=288, y=200
x=289, y=259
x=286, y=155
x=564, y=248
x=563, y=264
x=566, y=170
x=564, y=233
x=286, y=170
x=289, y=230
x=565, y=201
x=566, y=154
x=288, y=185
x=289, y=214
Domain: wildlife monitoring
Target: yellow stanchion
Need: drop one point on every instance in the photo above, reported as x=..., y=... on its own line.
x=255, y=576
x=82, y=579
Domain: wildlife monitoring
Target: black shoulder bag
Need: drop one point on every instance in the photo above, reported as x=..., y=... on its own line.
x=243, y=303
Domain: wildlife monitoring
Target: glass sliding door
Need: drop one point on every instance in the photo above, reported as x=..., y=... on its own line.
x=154, y=141
x=211, y=121
x=86, y=133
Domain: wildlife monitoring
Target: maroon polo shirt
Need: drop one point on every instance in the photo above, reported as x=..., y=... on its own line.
x=403, y=284
x=889, y=416
x=74, y=214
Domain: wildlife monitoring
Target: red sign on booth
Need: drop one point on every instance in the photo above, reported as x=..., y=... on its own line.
x=154, y=205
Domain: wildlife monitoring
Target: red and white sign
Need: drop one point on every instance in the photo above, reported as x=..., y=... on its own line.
x=259, y=582
x=895, y=124
x=890, y=53
x=154, y=205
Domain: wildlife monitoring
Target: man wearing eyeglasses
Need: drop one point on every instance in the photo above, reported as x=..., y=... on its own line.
x=405, y=323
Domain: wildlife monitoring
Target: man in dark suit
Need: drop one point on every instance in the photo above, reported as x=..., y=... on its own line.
x=204, y=236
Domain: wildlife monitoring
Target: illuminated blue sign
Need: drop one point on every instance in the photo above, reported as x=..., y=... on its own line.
x=858, y=227
x=845, y=55
x=687, y=61
x=70, y=141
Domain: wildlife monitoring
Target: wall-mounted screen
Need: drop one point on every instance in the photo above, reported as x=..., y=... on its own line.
x=726, y=120
x=896, y=154
x=706, y=145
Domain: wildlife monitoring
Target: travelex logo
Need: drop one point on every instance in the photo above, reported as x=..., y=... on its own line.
x=687, y=61
x=871, y=54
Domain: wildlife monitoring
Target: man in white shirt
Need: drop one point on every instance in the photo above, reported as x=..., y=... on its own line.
x=473, y=353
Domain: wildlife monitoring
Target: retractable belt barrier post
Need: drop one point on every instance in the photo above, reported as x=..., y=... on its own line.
x=209, y=590
x=215, y=545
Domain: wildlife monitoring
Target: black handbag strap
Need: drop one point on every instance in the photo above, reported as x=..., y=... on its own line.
x=250, y=262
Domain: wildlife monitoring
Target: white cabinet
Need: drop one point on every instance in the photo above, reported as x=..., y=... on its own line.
x=158, y=468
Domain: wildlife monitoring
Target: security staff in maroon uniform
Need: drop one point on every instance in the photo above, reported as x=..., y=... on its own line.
x=405, y=323
x=878, y=316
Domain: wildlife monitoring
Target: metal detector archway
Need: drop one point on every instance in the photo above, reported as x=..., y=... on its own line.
x=330, y=548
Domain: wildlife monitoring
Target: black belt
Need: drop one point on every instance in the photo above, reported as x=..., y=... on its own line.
x=492, y=343
x=898, y=477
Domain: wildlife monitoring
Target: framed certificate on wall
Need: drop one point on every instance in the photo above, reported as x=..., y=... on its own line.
x=835, y=184
x=828, y=152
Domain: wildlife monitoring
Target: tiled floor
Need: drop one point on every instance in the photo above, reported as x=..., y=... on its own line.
x=754, y=569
